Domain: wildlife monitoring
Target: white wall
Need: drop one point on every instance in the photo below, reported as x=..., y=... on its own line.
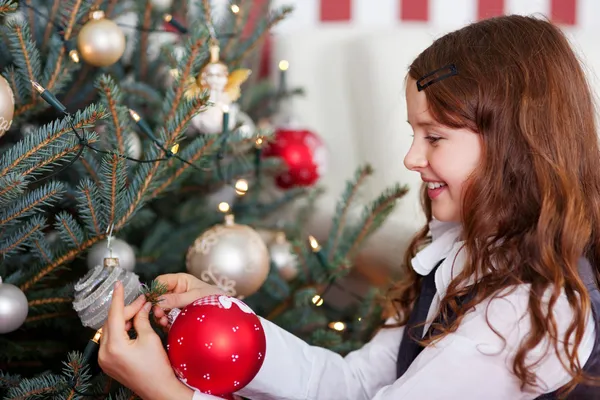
x=353, y=75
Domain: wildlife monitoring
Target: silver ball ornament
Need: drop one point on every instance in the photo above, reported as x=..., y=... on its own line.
x=120, y=249
x=230, y=256
x=13, y=307
x=283, y=257
x=162, y=5
x=93, y=292
x=101, y=42
x=7, y=106
x=134, y=145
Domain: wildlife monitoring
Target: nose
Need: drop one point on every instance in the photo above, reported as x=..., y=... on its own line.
x=416, y=158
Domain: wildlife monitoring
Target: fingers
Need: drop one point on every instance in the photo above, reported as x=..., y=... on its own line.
x=141, y=321
x=134, y=307
x=116, y=317
x=175, y=282
x=177, y=300
x=158, y=312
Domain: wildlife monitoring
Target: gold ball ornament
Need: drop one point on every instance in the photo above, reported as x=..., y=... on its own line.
x=231, y=256
x=101, y=42
x=7, y=105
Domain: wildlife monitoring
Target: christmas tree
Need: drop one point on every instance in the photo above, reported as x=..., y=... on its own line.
x=125, y=126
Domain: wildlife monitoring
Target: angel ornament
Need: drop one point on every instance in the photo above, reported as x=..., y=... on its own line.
x=224, y=90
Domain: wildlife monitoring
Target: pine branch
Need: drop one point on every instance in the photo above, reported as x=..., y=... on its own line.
x=194, y=52
x=23, y=236
x=7, y=6
x=114, y=176
x=57, y=70
x=261, y=32
x=50, y=26
x=31, y=16
x=67, y=257
x=146, y=175
x=139, y=92
x=206, y=12
x=383, y=205
x=239, y=21
x=8, y=381
x=144, y=36
x=42, y=143
x=183, y=167
x=41, y=317
x=69, y=229
x=26, y=56
x=41, y=387
x=89, y=164
x=339, y=221
x=111, y=95
x=89, y=204
x=54, y=300
x=41, y=248
x=12, y=186
x=11, y=77
x=32, y=203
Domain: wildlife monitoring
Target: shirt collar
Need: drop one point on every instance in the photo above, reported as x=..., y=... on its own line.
x=444, y=236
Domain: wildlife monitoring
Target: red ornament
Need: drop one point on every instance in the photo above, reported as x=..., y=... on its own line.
x=216, y=345
x=304, y=154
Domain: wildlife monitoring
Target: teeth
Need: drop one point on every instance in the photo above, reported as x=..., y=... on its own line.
x=435, y=185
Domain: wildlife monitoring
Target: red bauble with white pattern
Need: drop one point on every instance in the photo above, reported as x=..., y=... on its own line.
x=304, y=154
x=216, y=345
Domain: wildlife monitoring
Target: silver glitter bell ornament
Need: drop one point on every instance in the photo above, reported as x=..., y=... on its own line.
x=93, y=292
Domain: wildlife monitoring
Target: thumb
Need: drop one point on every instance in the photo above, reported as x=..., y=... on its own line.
x=141, y=321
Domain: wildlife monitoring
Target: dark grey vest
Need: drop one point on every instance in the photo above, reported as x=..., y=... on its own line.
x=410, y=349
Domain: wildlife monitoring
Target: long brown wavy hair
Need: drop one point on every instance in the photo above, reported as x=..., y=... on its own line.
x=532, y=207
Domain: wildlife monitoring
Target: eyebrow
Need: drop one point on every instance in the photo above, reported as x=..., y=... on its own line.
x=426, y=123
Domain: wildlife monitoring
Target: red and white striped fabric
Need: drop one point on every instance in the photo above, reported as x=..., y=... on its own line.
x=387, y=13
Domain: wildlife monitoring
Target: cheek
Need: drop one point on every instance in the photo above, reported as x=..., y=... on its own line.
x=455, y=168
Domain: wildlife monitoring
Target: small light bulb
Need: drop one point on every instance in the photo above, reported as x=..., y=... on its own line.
x=337, y=326
x=235, y=8
x=317, y=300
x=241, y=187
x=224, y=207
x=74, y=55
x=314, y=245
x=136, y=117
x=259, y=142
x=175, y=148
x=284, y=65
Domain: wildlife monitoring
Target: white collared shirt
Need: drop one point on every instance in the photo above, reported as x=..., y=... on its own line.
x=469, y=364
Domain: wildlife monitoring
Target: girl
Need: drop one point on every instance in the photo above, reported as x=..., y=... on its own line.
x=503, y=303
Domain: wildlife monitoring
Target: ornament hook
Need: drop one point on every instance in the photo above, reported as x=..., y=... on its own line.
x=109, y=238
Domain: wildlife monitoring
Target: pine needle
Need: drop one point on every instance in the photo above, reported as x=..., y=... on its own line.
x=154, y=291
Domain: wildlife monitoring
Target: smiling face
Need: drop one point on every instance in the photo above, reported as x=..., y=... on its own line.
x=444, y=157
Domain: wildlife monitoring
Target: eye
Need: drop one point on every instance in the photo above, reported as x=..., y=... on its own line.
x=432, y=138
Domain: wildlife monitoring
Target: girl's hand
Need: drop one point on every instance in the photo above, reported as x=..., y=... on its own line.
x=183, y=290
x=140, y=364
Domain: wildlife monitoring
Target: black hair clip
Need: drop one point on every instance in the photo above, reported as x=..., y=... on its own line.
x=452, y=71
